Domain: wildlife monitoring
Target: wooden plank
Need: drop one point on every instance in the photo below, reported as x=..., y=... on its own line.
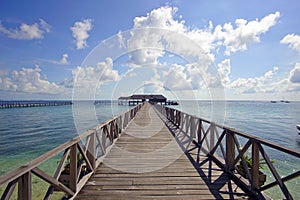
x=230, y=151
x=24, y=187
x=73, y=168
x=255, y=166
x=179, y=179
x=9, y=190
x=52, y=181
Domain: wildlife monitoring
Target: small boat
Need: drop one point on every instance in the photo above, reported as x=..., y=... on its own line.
x=273, y=101
x=298, y=127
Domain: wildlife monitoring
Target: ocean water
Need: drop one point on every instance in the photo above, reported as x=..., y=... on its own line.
x=26, y=133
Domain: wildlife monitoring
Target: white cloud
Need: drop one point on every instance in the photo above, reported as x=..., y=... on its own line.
x=238, y=39
x=188, y=77
x=176, y=78
x=29, y=80
x=152, y=87
x=45, y=26
x=224, y=69
x=27, y=32
x=160, y=31
x=293, y=41
x=80, y=31
x=91, y=77
x=294, y=76
x=263, y=83
x=268, y=83
x=160, y=18
x=64, y=59
x=209, y=39
x=198, y=75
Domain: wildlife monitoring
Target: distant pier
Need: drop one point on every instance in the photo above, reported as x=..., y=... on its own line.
x=141, y=98
x=26, y=104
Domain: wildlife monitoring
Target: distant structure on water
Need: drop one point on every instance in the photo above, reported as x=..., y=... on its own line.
x=282, y=101
x=140, y=98
x=30, y=103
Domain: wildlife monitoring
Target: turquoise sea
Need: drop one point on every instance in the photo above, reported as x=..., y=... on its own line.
x=26, y=133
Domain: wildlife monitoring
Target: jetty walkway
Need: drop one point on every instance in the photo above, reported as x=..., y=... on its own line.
x=147, y=163
x=27, y=104
x=156, y=152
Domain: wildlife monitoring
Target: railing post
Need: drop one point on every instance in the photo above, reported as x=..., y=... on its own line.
x=25, y=187
x=73, y=168
x=168, y=112
x=179, y=118
x=192, y=128
x=187, y=123
x=199, y=131
x=125, y=120
x=91, y=154
x=103, y=140
x=212, y=136
x=230, y=151
x=255, y=166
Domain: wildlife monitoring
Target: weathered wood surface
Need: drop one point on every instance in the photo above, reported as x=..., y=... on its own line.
x=148, y=162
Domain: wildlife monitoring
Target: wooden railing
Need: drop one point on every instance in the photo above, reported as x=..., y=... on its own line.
x=80, y=158
x=224, y=146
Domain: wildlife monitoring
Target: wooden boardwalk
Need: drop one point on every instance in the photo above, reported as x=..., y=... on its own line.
x=155, y=160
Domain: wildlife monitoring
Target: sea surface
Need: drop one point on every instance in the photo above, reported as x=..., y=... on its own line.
x=26, y=133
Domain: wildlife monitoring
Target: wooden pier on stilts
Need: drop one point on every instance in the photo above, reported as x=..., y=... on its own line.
x=148, y=163
x=30, y=103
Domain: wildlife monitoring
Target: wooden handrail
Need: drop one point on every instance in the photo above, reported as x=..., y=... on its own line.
x=92, y=153
x=194, y=127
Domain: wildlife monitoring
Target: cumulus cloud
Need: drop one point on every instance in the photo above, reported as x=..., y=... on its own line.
x=293, y=41
x=64, y=59
x=29, y=80
x=186, y=41
x=239, y=37
x=26, y=31
x=160, y=18
x=256, y=84
x=80, y=31
x=188, y=77
x=208, y=38
x=176, y=78
x=294, y=76
x=90, y=77
x=159, y=31
x=224, y=69
x=234, y=37
x=152, y=87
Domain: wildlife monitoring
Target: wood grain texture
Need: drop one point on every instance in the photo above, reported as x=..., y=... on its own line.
x=148, y=162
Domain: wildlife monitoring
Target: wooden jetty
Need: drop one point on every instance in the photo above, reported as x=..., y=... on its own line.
x=132, y=171
x=26, y=104
x=141, y=98
x=155, y=152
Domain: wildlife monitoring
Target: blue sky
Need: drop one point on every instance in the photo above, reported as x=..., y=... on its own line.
x=201, y=49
